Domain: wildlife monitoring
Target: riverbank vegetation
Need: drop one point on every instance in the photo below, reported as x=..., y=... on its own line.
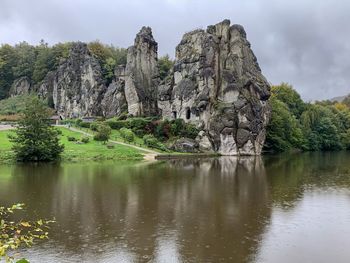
x=296, y=125
x=77, y=147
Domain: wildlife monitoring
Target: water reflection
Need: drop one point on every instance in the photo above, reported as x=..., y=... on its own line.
x=188, y=210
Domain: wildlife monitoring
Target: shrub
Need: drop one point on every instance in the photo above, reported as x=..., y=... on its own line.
x=85, y=124
x=85, y=139
x=191, y=131
x=72, y=139
x=127, y=135
x=117, y=125
x=103, y=132
x=150, y=141
x=94, y=126
x=78, y=122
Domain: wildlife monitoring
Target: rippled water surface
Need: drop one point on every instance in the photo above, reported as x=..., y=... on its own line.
x=292, y=208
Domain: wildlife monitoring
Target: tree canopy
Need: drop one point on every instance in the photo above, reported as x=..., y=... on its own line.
x=294, y=124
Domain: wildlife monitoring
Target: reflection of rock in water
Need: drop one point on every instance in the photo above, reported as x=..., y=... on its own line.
x=196, y=210
x=224, y=213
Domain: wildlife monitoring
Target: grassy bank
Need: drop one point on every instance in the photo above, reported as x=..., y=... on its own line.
x=75, y=151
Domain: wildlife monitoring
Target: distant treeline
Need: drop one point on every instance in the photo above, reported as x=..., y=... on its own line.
x=35, y=61
x=319, y=126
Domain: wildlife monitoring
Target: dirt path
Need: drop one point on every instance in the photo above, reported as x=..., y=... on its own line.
x=5, y=127
x=149, y=155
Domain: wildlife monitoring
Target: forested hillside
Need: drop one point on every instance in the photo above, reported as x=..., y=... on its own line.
x=294, y=124
x=34, y=62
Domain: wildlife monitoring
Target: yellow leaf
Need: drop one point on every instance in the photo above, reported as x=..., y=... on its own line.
x=25, y=224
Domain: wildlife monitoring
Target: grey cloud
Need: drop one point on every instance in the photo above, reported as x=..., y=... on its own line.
x=305, y=43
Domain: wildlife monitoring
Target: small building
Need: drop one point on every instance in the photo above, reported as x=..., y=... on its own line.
x=89, y=119
x=56, y=119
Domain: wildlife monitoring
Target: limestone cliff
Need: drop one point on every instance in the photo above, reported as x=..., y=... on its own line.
x=218, y=85
x=142, y=75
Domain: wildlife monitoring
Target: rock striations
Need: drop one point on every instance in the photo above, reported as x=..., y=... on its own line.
x=142, y=75
x=216, y=84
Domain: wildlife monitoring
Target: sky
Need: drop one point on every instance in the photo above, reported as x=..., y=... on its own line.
x=303, y=42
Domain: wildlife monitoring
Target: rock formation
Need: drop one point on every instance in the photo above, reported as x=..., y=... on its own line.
x=142, y=75
x=114, y=101
x=77, y=86
x=217, y=84
x=21, y=86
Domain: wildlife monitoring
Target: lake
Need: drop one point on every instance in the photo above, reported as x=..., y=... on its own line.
x=287, y=208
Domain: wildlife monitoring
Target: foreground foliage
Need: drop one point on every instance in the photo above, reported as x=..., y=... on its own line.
x=35, y=139
x=16, y=234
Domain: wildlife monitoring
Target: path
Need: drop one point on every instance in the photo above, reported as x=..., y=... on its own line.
x=150, y=155
x=5, y=127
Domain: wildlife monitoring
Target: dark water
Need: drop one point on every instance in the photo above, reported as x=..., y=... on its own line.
x=273, y=209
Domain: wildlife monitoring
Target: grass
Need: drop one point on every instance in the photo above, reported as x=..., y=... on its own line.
x=77, y=152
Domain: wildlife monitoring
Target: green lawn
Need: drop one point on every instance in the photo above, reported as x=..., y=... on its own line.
x=75, y=152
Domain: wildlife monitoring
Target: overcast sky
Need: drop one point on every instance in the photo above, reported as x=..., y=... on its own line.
x=303, y=42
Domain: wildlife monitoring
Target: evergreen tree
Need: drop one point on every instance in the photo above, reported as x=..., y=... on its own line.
x=36, y=139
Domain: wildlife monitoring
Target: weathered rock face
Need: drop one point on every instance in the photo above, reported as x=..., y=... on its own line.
x=77, y=86
x=21, y=86
x=142, y=75
x=185, y=145
x=217, y=84
x=114, y=101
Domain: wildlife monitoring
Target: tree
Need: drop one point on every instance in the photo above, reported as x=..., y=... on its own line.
x=25, y=60
x=44, y=62
x=15, y=234
x=35, y=139
x=165, y=64
x=7, y=61
x=287, y=94
x=103, y=133
x=283, y=131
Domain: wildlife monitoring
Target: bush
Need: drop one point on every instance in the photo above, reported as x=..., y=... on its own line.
x=94, y=126
x=152, y=142
x=117, y=125
x=127, y=135
x=78, y=122
x=72, y=139
x=190, y=131
x=85, y=139
x=103, y=132
x=85, y=124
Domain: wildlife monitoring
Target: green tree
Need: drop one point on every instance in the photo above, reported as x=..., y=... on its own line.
x=25, y=60
x=283, y=131
x=165, y=64
x=103, y=132
x=7, y=62
x=44, y=62
x=35, y=139
x=287, y=94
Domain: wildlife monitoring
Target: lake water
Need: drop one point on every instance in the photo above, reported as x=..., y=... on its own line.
x=293, y=208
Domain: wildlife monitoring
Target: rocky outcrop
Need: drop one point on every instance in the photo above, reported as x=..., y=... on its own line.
x=21, y=86
x=77, y=87
x=142, y=75
x=217, y=84
x=114, y=101
x=185, y=145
